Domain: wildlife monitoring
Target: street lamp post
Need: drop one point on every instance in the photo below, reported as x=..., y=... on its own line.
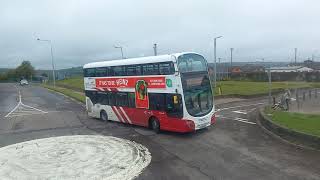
x=295, y=56
x=215, y=60
x=120, y=47
x=52, y=61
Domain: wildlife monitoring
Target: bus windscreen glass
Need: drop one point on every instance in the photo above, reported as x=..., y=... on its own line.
x=196, y=84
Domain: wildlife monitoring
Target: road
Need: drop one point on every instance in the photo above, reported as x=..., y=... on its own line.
x=234, y=148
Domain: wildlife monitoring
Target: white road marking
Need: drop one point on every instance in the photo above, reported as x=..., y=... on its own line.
x=74, y=157
x=243, y=120
x=241, y=106
x=237, y=119
x=240, y=112
x=13, y=109
x=251, y=110
x=31, y=110
x=19, y=115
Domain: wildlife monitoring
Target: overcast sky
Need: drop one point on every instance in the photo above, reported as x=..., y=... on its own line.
x=83, y=31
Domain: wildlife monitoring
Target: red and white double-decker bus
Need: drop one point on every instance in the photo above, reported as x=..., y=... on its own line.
x=168, y=92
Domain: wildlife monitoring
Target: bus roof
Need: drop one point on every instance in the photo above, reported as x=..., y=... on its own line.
x=131, y=61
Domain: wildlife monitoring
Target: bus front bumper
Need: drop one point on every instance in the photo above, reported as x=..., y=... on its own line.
x=185, y=125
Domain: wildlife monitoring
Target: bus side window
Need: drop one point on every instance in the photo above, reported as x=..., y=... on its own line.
x=131, y=100
x=112, y=99
x=138, y=70
x=90, y=72
x=157, y=101
x=166, y=68
x=150, y=69
x=101, y=72
x=110, y=71
x=131, y=70
x=119, y=71
x=93, y=95
x=174, y=105
x=122, y=99
x=156, y=69
x=105, y=99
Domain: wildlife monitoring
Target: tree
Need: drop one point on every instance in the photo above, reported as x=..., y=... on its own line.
x=25, y=70
x=44, y=74
x=12, y=74
x=3, y=76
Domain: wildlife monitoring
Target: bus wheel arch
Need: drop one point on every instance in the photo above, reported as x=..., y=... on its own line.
x=154, y=124
x=103, y=115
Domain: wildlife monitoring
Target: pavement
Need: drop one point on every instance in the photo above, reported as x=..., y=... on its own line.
x=306, y=101
x=234, y=148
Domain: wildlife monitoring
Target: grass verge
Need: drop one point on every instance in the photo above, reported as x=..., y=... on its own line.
x=305, y=123
x=68, y=92
x=248, y=88
x=75, y=83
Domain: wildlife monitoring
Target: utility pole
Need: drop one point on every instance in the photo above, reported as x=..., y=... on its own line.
x=155, y=49
x=119, y=47
x=215, y=60
x=295, y=56
x=219, y=73
x=270, y=84
x=231, y=53
x=52, y=61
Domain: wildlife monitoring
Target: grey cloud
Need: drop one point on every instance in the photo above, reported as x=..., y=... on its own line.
x=85, y=30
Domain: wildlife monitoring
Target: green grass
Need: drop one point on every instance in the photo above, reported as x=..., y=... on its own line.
x=68, y=92
x=306, y=123
x=75, y=83
x=254, y=88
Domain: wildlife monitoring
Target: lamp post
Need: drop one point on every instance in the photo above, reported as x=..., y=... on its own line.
x=53, y=71
x=120, y=47
x=295, y=56
x=155, y=49
x=215, y=60
x=231, y=58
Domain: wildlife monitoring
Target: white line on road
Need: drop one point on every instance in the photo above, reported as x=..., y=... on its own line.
x=243, y=120
x=33, y=108
x=23, y=105
x=239, y=112
x=236, y=119
x=18, y=115
x=240, y=106
x=13, y=110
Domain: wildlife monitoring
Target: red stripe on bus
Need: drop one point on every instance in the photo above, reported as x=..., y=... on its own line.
x=115, y=112
x=122, y=115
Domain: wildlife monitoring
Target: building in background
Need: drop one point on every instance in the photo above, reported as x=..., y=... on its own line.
x=291, y=69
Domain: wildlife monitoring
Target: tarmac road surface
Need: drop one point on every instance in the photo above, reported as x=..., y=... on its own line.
x=234, y=148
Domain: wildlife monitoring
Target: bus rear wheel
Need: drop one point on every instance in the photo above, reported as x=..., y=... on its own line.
x=155, y=125
x=104, y=116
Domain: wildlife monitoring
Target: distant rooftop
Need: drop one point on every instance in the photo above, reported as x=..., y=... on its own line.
x=286, y=68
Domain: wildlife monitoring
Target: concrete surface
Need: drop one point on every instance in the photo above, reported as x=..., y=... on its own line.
x=234, y=148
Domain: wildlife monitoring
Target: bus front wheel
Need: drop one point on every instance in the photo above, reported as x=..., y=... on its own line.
x=104, y=116
x=155, y=125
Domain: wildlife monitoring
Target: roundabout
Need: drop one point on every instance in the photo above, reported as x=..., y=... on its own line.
x=74, y=157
